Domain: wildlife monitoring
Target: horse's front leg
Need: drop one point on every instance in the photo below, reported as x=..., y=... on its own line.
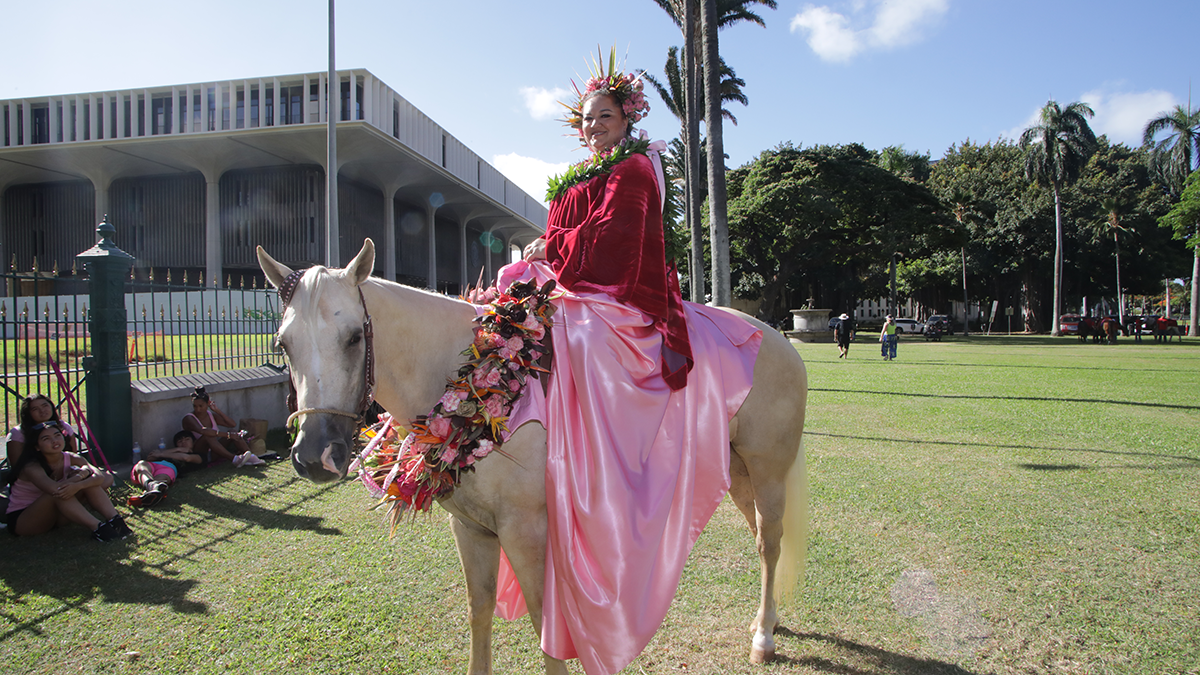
x=479, y=553
x=525, y=546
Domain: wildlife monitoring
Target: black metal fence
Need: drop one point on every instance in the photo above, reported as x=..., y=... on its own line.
x=173, y=327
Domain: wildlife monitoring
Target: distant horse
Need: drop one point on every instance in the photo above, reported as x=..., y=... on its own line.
x=1087, y=329
x=418, y=337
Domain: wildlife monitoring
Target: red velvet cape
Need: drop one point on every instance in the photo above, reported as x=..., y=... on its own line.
x=606, y=235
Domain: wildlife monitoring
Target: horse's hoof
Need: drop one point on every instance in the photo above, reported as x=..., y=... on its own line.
x=760, y=656
x=762, y=649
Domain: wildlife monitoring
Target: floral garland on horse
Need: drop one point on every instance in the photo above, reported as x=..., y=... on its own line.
x=406, y=468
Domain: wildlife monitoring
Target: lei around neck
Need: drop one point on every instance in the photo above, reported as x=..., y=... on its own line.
x=598, y=164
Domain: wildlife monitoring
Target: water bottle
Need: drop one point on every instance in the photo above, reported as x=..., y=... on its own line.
x=137, y=452
x=162, y=443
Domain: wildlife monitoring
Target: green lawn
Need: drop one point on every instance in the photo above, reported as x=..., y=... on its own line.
x=994, y=505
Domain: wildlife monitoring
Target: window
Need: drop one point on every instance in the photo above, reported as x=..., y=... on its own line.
x=41, y=125
x=254, y=108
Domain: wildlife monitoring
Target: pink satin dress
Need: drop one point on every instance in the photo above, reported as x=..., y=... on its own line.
x=634, y=472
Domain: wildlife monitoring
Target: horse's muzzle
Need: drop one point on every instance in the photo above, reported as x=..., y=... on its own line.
x=322, y=454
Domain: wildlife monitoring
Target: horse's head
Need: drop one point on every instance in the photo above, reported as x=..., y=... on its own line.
x=322, y=337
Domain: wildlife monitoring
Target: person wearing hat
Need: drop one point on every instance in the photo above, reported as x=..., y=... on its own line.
x=887, y=339
x=843, y=332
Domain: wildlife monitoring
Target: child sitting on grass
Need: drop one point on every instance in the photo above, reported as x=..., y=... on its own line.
x=51, y=487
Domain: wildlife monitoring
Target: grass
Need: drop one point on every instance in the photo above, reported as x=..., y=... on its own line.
x=988, y=505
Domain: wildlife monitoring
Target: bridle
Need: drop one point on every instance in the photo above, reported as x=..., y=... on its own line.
x=285, y=298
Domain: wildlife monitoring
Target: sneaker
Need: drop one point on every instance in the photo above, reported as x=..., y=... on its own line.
x=252, y=460
x=118, y=523
x=240, y=459
x=106, y=532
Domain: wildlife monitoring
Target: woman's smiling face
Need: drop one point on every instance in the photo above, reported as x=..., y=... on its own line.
x=604, y=123
x=50, y=441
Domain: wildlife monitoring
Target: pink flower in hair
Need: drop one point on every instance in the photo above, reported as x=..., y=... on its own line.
x=485, y=448
x=449, y=454
x=494, y=405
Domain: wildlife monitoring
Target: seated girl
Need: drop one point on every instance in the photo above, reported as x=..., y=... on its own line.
x=205, y=422
x=52, y=487
x=35, y=409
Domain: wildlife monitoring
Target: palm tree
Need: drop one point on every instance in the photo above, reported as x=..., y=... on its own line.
x=1056, y=150
x=700, y=22
x=1171, y=160
x=672, y=91
x=1113, y=206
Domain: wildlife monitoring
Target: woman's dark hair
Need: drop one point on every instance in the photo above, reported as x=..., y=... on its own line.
x=179, y=436
x=30, y=453
x=200, y=394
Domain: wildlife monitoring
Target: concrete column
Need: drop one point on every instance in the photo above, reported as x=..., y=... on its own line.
x=368, y=98
x=245, y=104
x=306, y=102
x=77, y=118
x=463, y=278
x=27, y=128
x=322, y=97
x=491, y=268
x=55, y=121
x=120, y=115
x=353, y=96
x=100, y=185
x=232, y=105
x=431, y=223
x=147, y=114
x=276, y=108
x=389, y=233
x=212, y=229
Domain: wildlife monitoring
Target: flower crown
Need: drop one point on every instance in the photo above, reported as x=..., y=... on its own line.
x=625, y=87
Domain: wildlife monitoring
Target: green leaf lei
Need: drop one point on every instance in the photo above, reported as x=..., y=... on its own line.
x=596, y=165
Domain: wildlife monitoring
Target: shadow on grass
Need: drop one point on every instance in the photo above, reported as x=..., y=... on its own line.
x=1187, y=461
x=67, y=566
x=866, y=660
x=1050, y=399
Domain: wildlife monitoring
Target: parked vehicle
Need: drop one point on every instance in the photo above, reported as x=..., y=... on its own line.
x=1069, y=324
x=942, y=321
x=909, y=326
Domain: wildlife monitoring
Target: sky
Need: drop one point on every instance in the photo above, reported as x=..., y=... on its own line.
x=925, y=74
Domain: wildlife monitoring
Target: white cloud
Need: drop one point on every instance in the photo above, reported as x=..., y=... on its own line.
x=543, y=103
x=886, y=25
x=1123, y=115
x=529, y=173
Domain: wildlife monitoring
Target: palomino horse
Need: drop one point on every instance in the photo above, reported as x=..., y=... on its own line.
x=419, y=337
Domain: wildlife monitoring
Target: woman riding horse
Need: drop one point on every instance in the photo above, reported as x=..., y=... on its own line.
x=637, y=428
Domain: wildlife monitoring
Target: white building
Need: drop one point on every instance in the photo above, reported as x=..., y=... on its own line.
x=193, y=176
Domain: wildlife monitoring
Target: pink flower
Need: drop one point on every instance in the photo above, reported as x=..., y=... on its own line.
x=492, y=378
x=439, y=426
x=494, y=405
x=479, y=378
x=506, y=353
x=449, y=455
x=485, y=448
x=515, y=343
x=451, y=399
x=535, y=355
x=514, y=386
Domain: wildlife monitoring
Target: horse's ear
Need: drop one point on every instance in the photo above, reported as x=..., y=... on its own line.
x=363, y=264
x=276, y=271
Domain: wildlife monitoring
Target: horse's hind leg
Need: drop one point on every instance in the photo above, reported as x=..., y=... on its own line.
x=479, y=552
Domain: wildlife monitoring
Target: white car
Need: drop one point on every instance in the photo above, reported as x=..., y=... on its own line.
x=909, y=326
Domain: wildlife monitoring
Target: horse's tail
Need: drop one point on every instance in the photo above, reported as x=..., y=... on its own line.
x=793, y=547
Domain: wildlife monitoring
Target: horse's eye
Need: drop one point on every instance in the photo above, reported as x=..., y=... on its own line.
x=356, y=338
